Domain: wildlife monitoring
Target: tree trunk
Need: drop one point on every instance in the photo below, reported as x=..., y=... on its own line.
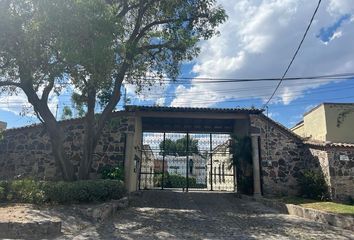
x=65, y=165
x=93, y=129
x=89, y=143
x=53, y=130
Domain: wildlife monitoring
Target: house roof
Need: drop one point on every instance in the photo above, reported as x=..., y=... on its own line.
x=134, y=108
x=328, y=103
x=299, y=124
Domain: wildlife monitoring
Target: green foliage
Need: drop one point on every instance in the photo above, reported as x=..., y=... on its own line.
x=38, y=192
x=242, y=160
x=26, y=191
x=67, y=113
x=351, y=200
x=94, y=46
x=176, y=181
x=241, y=150
x=313, y=185
x=179, y=147
x=3, y=190
x=114, y=173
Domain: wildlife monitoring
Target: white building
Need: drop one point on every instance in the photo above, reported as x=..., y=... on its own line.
x=178, y=165
x=147, y=168
x=3, y=125
x=220, y=176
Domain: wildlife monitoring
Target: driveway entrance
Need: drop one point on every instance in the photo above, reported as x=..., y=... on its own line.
x=207, y=215
x=186, y=161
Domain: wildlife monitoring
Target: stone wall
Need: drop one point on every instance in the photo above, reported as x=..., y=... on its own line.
x=281, y=157
x=337, y=164
x=284, y=156
x=27, y=152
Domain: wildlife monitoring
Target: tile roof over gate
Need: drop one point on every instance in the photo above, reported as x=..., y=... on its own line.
x=133, y=108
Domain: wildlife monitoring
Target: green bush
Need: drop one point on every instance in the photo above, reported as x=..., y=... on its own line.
x=3, y=189
x=28, y=191
x=110, y=172
x=31, y=191
x=313, y=185
x=176, y=181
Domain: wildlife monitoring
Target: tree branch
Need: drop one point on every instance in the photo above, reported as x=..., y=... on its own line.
x=126, y=8
x=9, y=83
x=165, y=21
x=47, y=90
x=159, y=47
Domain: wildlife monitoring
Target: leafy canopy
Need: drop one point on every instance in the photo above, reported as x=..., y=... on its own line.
x=91, y=43
x=179, y=147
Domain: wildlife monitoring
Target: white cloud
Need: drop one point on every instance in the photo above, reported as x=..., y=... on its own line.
x=18, y=103
x=160, y=101
x=339, y=7
x=153, y=93
x=259, y=39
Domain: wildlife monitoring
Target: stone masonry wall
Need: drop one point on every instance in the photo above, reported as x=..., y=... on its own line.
x=284, y=156
x=337, y=164
x=27, y=152
x=281, y=157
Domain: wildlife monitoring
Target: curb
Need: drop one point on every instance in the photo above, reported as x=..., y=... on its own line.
x=101, y=212
x=337, y=220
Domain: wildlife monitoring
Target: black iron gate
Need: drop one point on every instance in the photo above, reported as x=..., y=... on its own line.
x=186, y=161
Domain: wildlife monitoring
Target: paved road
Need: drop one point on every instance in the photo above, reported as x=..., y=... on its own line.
x=176, y=215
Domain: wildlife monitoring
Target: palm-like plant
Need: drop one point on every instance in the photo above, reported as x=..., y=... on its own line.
x=241, y=161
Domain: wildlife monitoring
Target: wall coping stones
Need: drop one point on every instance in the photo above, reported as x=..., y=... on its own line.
x=337, y=220
x=328, y=144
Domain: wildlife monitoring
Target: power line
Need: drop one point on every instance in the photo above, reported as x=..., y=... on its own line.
x=179, y=80
x=299, y=103
x=221, y=80
x=296, y=52
x=197, y=93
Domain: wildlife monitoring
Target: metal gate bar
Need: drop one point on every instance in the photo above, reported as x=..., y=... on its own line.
x=161, y=164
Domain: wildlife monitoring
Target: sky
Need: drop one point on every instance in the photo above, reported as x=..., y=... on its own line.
x=257, y=41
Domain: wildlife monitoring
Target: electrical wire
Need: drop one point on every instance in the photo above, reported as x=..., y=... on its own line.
x=295, y=54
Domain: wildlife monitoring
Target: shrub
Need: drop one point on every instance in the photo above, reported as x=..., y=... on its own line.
x=176, y=181
x=3, y=190
x=114, y=173
x=313, y=185
x=31, y=191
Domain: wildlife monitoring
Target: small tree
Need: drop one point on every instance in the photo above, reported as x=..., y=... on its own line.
x=95, y=45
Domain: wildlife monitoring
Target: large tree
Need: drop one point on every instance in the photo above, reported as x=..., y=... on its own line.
x=180, y=147
x=93, y=46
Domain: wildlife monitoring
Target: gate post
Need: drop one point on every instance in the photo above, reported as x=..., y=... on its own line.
x=211, y=161
x=187, y=165
x=163, y=160
x=256, y=169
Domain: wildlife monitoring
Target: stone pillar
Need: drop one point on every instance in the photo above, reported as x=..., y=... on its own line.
x=256, y=168
x=128, y=162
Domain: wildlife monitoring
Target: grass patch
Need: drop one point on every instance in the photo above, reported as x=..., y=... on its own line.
x=333, y=207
